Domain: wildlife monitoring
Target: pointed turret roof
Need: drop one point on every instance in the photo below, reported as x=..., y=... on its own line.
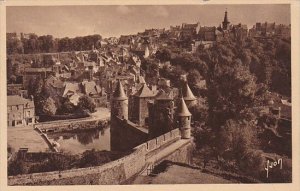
x=119, y=93
x=187, y=93
x=144, y=91
x=183, y=110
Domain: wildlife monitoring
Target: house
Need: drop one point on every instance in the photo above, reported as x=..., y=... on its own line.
x=73, y=91
x=20, y=111
x=207, y=33
x=189, y=30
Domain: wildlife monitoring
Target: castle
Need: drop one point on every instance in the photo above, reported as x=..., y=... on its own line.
x=147, y=114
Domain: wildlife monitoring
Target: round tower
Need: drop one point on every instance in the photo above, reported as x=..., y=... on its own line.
x=119, y=110
x=119, y=107
x=184, y=118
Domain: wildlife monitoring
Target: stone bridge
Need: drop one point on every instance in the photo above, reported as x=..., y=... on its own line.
x=169, y=146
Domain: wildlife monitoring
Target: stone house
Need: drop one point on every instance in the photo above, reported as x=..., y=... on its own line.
x=20, y=111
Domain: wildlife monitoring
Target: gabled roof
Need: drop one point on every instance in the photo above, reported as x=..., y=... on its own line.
x=18, y=100
x=187, y=93
x=89, y=87
x=119, y=93
x=71, y=87
x=183, y=110
x=144, y=91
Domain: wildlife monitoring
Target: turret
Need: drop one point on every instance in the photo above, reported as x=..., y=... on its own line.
x=119, y=102
x=119, y=110
x=188, y=96
x=184, y=119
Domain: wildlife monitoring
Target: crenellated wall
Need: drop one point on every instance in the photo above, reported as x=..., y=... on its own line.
x=115, y=172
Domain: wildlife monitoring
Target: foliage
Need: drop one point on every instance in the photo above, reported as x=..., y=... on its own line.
x=86, y=103
x=17, y=167
x=92, y=158
x=47, y=44
x=236, y=139
x=49, y=107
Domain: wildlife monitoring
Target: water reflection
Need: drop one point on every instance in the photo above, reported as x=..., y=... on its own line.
x=78, y=142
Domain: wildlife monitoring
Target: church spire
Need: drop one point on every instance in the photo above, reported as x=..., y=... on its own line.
x=226, y=21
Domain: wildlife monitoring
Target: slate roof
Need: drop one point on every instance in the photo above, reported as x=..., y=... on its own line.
x=119, y=93
x=89, y=87
x=183, y=111
x=71, y=87
x=144, y=91
x=187, y=93
x=18, y=100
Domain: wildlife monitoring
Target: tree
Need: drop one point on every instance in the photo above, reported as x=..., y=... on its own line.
x=231, y=92
x=236, y=138
x=86, y=103
x=193, y=79
x=49, y=107
x=67, y=107
x=163, y=55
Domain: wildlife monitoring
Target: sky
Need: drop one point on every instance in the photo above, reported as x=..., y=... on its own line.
x=116, y=20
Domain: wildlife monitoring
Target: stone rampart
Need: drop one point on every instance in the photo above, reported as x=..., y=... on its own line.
x=115, y=172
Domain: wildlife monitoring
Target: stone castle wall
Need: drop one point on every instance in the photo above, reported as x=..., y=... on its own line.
x=115, y=172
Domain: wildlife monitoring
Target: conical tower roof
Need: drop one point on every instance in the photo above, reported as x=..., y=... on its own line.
x=187, y=93
x=183, y=110
x=119, y=93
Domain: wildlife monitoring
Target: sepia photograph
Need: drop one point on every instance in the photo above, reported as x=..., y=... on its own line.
x=148, y=94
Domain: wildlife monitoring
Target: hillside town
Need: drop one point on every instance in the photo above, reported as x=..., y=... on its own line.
x=226, y=88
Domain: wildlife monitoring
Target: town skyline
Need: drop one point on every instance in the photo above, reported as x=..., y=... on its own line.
x=75, y=21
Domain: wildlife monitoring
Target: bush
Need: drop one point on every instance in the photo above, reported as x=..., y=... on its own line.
x=252, y=163
x=86, y=103
x=17, y=167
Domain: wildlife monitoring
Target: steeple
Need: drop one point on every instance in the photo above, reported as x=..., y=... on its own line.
x=119, y=93
x=225, y=22
x=183, y=110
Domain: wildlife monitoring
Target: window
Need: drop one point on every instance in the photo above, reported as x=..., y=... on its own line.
x=28, y=113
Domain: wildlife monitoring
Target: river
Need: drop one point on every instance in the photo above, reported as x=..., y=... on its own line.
x=80, y=141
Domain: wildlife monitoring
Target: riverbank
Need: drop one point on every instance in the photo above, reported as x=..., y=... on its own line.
x=27, y=137
x=100, y=118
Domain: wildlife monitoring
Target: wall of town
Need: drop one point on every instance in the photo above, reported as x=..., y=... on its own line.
x=129, y=135
x=115, y=172
x=72, y=124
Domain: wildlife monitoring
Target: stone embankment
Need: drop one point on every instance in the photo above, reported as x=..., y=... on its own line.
x=72, y=124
